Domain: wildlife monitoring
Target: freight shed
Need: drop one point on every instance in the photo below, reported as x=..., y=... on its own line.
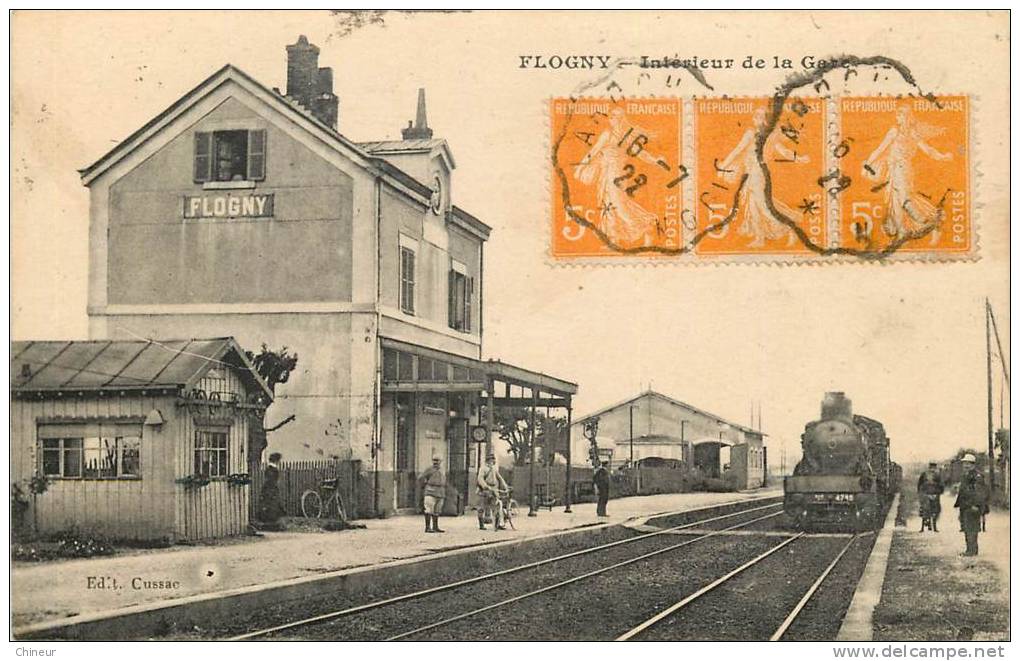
x=652, y=429
x=139, y=440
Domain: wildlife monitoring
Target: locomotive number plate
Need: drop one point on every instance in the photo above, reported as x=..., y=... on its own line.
x=834, y=497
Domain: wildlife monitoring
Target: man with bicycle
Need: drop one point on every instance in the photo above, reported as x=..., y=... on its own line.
x=490, y=483
x=929, y=490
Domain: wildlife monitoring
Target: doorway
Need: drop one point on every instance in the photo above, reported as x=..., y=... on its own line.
x=458, y=455
x=404, y=475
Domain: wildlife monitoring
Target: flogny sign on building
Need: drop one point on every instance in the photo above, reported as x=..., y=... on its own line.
x=228, y=206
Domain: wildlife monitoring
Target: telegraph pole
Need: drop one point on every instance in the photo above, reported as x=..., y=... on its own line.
x=988, y=364
x=532, y=505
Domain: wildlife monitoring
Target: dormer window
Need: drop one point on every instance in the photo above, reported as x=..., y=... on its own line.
x=237, y=155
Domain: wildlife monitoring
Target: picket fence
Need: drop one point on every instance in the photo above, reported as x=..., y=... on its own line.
x=297, y=476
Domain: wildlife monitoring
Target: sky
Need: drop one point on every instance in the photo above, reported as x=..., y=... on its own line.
x=905, y=341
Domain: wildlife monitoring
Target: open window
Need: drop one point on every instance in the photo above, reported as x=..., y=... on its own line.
x=460, y=295
x=236, y=155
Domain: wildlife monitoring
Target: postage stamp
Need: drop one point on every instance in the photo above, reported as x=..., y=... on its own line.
x=911, y=157
x=621, y=176
x=761, y=178
x=730, y=179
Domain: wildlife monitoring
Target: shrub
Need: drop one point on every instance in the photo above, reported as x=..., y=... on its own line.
x=74, y=545
x=63, y=545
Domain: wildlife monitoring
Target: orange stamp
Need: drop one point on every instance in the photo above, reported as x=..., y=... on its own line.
x=746, y=179
x=908, y=162
x=759, y=198
x=617, y=177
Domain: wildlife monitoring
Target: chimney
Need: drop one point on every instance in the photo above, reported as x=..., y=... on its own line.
x=836, y=405
x=420, y=129
x=310, y=85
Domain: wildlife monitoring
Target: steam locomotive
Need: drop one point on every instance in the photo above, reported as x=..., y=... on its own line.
x=846, y=478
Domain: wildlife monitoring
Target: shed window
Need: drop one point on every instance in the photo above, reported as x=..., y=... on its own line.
x=238, y=155
x=211, y=452
x=61, y=457
x=90, y=450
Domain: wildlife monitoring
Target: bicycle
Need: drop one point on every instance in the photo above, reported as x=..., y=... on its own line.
x=508, y=507
x=314, y=505
x=929, y=511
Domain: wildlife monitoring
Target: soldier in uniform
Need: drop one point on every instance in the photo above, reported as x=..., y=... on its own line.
x=490, y=483
x=929, y=491
x=972, y=501
x=434, y=486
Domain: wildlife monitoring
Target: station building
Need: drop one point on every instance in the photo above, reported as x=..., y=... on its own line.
x=656, y=430
x=242, y=210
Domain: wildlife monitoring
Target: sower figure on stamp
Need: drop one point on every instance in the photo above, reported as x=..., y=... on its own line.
x=907, y=210
x=490, y=483
x=601, y=479
x=756, y=219
x=929, y=492
x=621, y=218
x=433, y=484
x=270, y=505
x=972, y=501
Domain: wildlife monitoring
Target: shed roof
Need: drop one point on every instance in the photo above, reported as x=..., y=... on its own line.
x=123, y=364
x=671, y=401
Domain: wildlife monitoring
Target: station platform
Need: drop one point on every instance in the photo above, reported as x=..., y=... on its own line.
x=932, y=592
x=52, y=591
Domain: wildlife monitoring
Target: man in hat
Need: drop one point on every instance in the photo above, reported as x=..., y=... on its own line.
x=929, y=492
x=972, y=501
x=434, y=487
x=490, y=483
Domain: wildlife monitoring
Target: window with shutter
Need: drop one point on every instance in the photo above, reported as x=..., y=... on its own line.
x=236, y=155
x=451, y=299
x=461, y=290
x=467, y=303
x=407, y=280
x=257, y=155
x=203, y=157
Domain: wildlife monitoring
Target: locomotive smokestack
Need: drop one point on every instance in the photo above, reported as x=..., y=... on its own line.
x=836, y=405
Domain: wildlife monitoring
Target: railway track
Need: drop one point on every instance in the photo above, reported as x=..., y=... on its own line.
x=670, y=615
x=315, y=624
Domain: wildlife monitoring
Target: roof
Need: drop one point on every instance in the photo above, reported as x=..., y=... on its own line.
x=494, y=369
x=674, y=402
x=334, y=138
x=56, y=366
x=413, y=146
x=423, y=144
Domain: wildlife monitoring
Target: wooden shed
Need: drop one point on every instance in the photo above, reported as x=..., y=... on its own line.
x=145, y=440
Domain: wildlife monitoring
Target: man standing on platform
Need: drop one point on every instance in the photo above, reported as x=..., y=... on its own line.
x=929, y=491
x=601, y=479
x=434, y=486
x=972, y=501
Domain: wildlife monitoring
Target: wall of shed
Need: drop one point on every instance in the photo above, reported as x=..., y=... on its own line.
x=120, y=508
x=218, y=509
